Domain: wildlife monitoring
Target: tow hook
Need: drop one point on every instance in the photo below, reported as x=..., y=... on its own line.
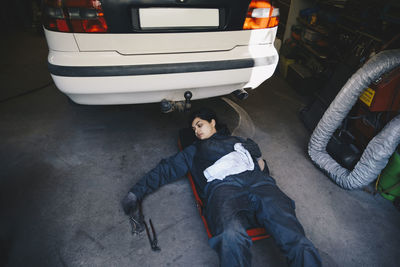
x=188, y=95
x=169, y=106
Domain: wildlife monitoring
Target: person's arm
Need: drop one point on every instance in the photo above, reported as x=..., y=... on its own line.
x=255, y=153
x=168, y=170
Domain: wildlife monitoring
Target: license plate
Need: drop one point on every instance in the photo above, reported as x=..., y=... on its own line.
x=178, y=18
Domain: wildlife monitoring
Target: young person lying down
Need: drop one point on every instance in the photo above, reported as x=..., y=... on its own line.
x=228, y=173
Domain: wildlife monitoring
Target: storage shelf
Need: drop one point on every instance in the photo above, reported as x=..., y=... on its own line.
x=317, y=28
x=315, y=52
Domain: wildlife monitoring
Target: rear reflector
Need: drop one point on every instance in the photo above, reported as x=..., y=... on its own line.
x=74, y=16
x=260, y=15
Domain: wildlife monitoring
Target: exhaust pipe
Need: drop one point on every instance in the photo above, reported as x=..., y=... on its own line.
x=241, y=94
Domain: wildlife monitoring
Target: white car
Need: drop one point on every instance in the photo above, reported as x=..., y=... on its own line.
x=141, y=51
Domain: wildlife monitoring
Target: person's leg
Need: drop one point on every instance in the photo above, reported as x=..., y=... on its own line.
x=232, y=245
x=276, y=212
x=224, y=217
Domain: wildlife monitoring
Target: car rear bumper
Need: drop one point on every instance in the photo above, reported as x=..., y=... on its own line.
x=113, y=78
x=152, y=69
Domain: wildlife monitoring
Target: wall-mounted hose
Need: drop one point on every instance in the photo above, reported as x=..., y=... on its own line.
x=379, y=149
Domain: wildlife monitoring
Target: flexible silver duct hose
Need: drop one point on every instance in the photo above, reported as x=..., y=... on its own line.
x=379, y=149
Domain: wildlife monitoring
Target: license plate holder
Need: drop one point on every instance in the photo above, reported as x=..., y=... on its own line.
x=177, y=18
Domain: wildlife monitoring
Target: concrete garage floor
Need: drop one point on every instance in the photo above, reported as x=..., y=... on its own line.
x=65, y=168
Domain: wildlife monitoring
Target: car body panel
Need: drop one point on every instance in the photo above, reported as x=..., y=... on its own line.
x=113, y=58
x=142, y=67
x=123, y=17
x=148, y=43
x=60, y=41
x=241, y=67
x=154, y=88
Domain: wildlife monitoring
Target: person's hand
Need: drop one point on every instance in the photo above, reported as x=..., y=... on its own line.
x=253, y=148
x=129, y=203
x=265, y=168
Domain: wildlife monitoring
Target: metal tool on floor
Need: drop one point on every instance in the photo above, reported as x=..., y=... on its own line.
x=137, y=221
x=136, y=226
x=153, y=237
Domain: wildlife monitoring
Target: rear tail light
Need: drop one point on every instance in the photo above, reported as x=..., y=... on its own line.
x=260, y=15
x=74, y=16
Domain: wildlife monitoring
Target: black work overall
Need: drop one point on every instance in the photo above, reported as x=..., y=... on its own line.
x=232, y=201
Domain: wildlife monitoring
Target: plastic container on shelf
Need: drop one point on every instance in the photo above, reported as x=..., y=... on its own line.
x=284, y=63
x=388, y=184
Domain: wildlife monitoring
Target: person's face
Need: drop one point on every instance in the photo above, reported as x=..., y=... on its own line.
x=203, y=129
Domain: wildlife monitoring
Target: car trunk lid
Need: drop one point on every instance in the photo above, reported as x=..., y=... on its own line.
x=173, y=26
x=154, y=43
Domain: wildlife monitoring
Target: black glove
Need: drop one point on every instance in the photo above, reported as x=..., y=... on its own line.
x=253, y=148
x=129, y=203
x=131, y=207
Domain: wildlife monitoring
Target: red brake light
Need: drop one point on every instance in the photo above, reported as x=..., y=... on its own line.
x=260, y=15
x=74, y=16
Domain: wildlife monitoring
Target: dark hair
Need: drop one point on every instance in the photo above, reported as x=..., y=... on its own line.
x=208, y=115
